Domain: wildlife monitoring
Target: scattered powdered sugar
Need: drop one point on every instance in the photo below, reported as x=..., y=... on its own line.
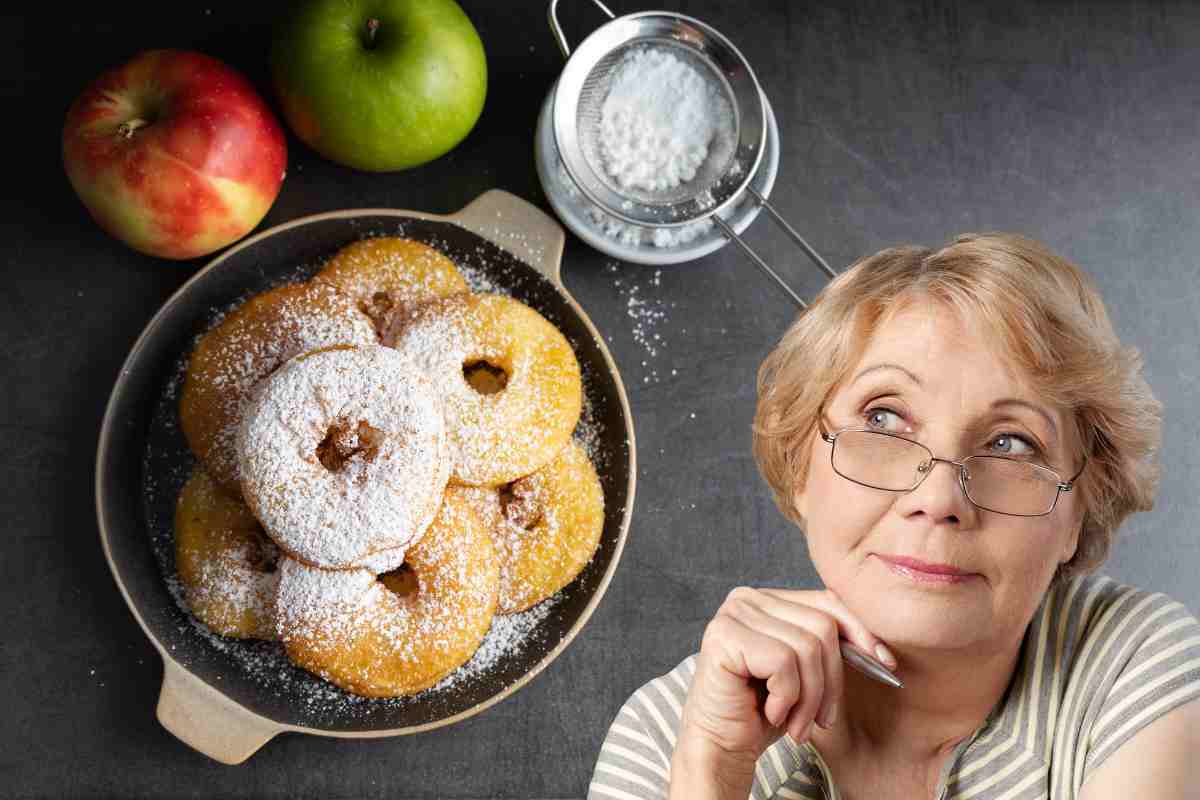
x=509, y=632
x=228, y=590
x=480, y=280
x=658, y=120
x=648, y=314
x=382, y=561
x=319, y=602
x=525, y=517
x=526, y=246
x=589, y=433
x=225, y=561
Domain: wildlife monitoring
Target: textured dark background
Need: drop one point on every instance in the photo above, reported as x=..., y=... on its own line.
x=1074, y=123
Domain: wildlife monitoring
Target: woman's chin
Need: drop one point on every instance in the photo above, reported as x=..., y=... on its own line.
x=941, y=636
x=923, y=622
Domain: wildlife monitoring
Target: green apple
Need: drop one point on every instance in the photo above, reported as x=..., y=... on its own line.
x=379, y=85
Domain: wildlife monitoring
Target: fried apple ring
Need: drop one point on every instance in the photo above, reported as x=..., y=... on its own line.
x=353, y=628
x=225, y=563
x=520, y=417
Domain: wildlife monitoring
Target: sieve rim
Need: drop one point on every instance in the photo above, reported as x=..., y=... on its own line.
x=748, y=106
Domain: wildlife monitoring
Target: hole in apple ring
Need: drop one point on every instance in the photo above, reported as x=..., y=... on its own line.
x=485, y=377
x=402, y=581
x=346, y=441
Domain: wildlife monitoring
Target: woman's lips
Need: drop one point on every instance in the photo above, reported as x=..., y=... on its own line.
x=925, y=572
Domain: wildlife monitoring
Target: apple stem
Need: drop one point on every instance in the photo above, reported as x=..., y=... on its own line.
x=126, y=128
x=372, y=26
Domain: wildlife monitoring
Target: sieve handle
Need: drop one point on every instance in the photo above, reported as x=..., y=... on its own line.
x=796, y=237
x=729, y=232
x=557, y=30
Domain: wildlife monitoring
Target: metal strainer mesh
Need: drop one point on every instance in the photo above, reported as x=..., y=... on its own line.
x=578, y=115
x=590, y=114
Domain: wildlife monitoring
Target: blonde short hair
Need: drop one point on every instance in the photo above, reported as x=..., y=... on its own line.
x=1046, y=319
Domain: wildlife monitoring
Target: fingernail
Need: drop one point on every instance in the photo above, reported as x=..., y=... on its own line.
x=829, y=717
x=885, y=656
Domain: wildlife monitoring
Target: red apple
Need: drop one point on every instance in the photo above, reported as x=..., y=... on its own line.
x=174, y=153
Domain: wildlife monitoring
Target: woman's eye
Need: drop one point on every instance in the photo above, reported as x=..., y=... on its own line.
x=876, y=417
x=1012, y=444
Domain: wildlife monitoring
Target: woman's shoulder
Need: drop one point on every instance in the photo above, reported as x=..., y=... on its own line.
x=1099, y=613
x=1094, y=635
x=635, y=757
x=1121, y=657
x=658, y=704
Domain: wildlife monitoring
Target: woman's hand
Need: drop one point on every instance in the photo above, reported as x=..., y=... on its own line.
x=769, y=663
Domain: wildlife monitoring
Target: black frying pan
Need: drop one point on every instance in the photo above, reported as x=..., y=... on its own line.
x=209, y=698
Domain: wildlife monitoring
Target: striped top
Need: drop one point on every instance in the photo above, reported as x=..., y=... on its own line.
x=1099, y=661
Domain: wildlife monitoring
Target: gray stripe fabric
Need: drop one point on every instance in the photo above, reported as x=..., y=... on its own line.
x=1099, y=662
x=628, y=757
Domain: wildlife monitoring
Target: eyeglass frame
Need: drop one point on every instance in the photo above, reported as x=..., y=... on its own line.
x=1061, y=485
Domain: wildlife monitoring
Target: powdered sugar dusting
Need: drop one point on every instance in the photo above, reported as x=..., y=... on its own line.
x=246, y=346
x=228, y=590
x=365, y=636
x=388, y=275
x=481, y=281
x=589, y=434
x=496, y=437
x=509, y=633
x=225, y=562
x=266, y=663
x=549, y=528
x=387, y=490
x=320, y=602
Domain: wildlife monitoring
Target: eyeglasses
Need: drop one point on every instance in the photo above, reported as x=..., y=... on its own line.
x=887, y=461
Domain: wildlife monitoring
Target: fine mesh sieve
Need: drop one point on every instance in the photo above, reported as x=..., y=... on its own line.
x=722, y=179
x=711, y=180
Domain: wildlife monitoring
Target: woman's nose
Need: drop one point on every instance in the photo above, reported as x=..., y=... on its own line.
x=939, y=495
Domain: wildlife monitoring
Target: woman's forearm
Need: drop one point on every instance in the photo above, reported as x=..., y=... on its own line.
x=700, y=770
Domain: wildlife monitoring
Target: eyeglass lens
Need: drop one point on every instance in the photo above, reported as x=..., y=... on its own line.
x=893, y=463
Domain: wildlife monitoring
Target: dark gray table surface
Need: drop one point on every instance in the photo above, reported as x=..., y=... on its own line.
x=1074, y=123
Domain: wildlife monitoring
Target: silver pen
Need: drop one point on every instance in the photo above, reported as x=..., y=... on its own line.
x=867, y=665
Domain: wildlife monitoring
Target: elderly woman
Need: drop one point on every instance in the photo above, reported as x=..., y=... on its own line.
x=958, y=434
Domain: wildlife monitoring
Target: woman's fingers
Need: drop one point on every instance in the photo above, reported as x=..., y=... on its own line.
x=851, y=627
x=813, y=635
x=754, y=655
x=771, y=662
